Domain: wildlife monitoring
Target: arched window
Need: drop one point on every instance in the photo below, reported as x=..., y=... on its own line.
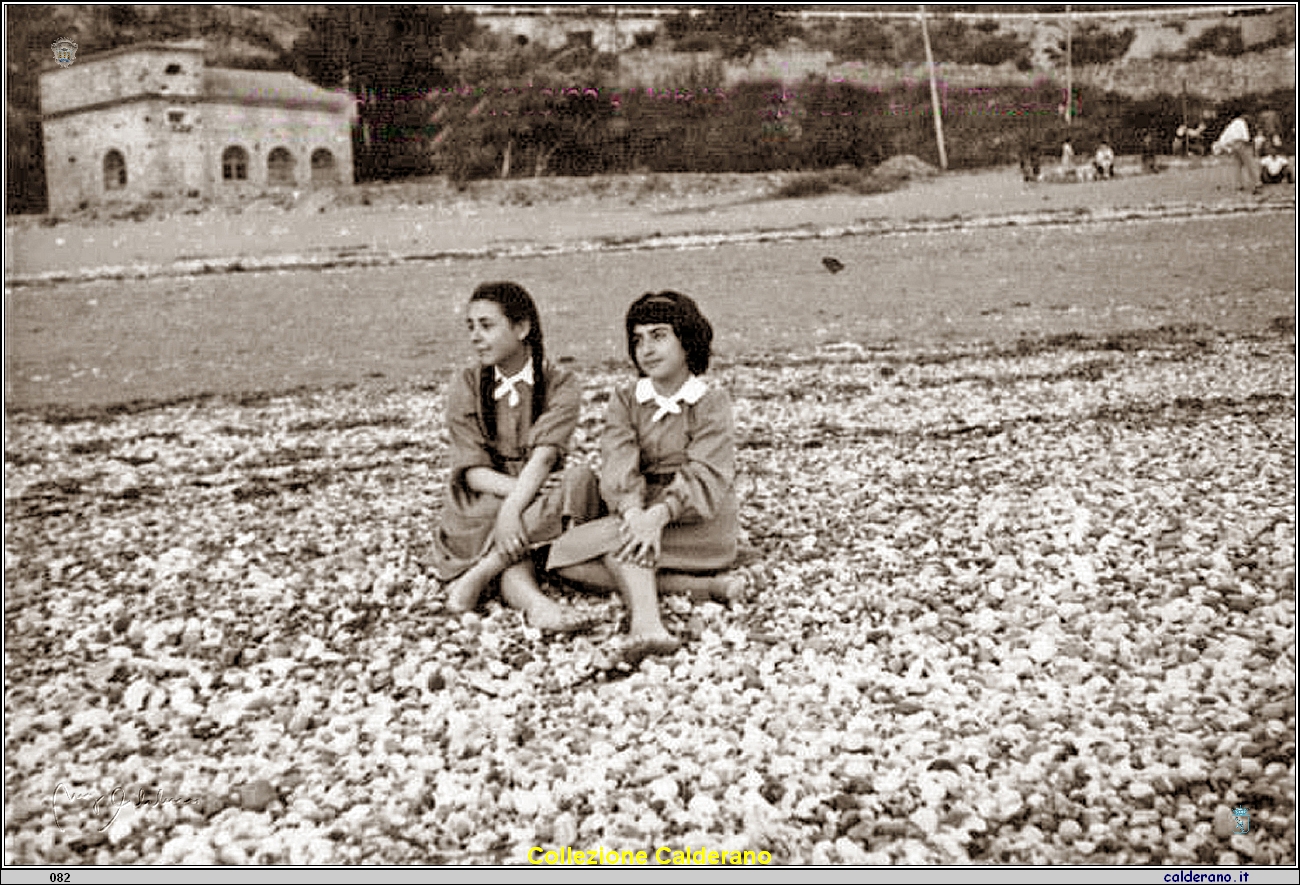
x=279, y=167
x=234, y=164
x=114, y=171
x=323, y=168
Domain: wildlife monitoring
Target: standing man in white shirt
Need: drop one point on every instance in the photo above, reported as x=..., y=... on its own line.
x=1236, y=140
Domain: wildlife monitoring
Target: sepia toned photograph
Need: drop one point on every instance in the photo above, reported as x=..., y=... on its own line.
x=849, y=436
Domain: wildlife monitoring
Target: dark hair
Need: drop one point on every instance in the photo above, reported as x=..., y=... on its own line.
x=517, y=305
x=681, y=312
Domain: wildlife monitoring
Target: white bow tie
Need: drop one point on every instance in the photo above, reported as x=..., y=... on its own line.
x=689, y=393
x=506, y=384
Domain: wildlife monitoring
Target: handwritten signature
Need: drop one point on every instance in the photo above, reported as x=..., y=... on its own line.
x=111, y=803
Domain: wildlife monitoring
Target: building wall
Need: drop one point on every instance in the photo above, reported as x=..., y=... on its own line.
x=608, y=34
x=75, y=147
x=261, y=129
x=118, y=75
x=167, y=159
x=171, y=138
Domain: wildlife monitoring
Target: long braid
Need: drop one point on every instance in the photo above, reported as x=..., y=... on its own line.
x=487, y=403
x=539, y=360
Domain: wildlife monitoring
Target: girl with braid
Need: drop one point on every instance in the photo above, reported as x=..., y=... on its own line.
x=510, y=419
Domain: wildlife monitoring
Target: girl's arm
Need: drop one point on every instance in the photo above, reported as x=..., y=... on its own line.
x=548, y=439
x=471, y=459
x=621, y=483
x=708, y=476
x=509, y=533
x=485, y=480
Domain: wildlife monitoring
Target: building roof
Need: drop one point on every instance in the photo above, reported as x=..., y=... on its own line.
x=278, y=88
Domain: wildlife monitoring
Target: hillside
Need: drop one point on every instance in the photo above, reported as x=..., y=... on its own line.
x=1133, y=52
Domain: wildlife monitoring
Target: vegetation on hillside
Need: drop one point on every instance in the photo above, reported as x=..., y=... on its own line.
x=1092, y=44
x=900, y=42
x=442, y=95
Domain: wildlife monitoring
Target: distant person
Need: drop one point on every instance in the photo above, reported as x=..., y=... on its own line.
x=1067, y=156
x=1149, y=152
x=1104, y=161
x=1029, y=167
x=1236, y=140
x=1190, y=140
x=1270, y=129
x=1275, y=167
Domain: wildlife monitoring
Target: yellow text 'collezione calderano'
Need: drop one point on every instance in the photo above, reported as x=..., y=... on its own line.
x=665, y=855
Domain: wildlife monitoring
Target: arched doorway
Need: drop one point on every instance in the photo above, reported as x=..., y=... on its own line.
x=323, y=168
x=114, y=171
x=279, y=167
x=234, y=164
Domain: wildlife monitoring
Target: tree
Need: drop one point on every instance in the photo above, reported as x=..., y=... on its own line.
x=381, y=50
x=390, y=57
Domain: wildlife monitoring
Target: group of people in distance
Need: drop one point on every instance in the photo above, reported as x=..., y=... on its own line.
x=1261, y=155
x=1260, y=158
x=1102, y=164
x=661, y=515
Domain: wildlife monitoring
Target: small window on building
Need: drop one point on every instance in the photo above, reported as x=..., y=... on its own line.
x=173, y=69
x=279, y=167
x=234, y=164
x=175, y=116
x=323, y=168
x=114, y=171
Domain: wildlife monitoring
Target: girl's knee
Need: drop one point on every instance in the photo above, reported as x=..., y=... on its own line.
x=582, y=501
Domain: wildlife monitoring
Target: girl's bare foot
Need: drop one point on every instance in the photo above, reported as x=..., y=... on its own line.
x=556, y=618
x=638, y=647
x=463, y=593
x=723, y=588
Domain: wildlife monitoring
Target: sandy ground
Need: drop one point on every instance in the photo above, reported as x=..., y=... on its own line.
x=495, y=221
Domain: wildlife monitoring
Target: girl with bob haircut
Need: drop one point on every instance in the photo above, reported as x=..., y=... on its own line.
x=510, y=419
x=667, y=478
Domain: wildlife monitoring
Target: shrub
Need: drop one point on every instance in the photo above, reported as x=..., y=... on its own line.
x=867, y=40
x=1094, y=45
x=1221, y=40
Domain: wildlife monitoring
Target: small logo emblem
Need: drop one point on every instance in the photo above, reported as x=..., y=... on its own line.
x=65, y=51
x=1242, y=819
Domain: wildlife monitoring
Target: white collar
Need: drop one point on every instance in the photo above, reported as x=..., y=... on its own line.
x=688, y=393
x=506, y=384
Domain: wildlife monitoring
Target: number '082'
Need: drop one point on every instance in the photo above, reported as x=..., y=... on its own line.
x=60, y=877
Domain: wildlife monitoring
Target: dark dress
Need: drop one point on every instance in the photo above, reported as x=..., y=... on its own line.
x=685, y=460
x=469, y=517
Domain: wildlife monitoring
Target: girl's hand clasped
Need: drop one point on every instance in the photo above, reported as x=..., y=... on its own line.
x=509, y=534
x=641, y=533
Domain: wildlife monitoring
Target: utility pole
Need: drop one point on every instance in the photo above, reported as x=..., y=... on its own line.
x=1069, y=64
x=934, y=92
x=1187, y=148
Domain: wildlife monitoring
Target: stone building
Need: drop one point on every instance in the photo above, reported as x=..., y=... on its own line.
x=152, y=121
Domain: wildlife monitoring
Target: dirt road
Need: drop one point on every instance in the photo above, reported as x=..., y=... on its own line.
x=317, y=231
x=951, y=271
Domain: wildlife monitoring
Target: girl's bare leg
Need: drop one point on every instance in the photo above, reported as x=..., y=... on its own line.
x=647, y=635
x=463, y=593
x=701, y=588
x=520, y=591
